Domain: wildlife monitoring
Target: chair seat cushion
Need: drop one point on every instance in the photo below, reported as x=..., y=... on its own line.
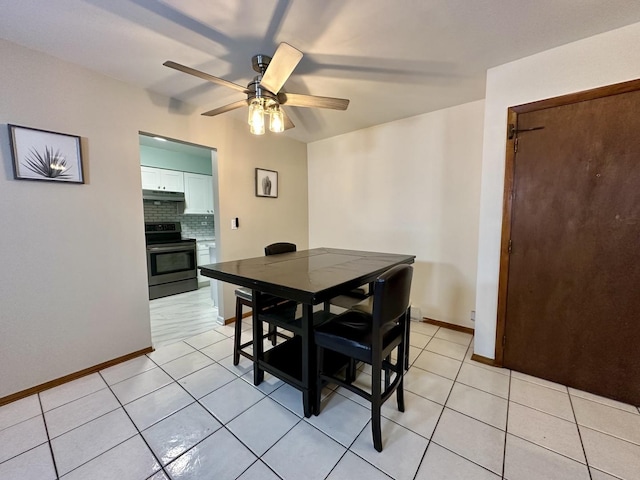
x=244, y=293
x=350, y=333
x=364, y=306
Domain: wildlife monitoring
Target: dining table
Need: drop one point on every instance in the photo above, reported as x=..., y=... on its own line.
x=308, y=278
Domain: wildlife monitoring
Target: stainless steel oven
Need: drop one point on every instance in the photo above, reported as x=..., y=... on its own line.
x=171, y=260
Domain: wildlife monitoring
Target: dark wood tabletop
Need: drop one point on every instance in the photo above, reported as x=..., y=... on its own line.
x=308, y=276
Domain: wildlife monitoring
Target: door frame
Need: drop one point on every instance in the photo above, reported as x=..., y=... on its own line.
x=509, y=176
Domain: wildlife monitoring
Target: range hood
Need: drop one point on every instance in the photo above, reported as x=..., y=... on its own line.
x=163, y=196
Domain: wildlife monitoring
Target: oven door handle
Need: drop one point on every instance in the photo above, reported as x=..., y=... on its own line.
x=171, y=249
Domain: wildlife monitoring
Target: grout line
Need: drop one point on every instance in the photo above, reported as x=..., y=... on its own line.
x=573, y=411
x=506, y=429
x=44, y=420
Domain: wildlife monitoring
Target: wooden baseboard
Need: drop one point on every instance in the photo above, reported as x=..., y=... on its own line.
x=227, y=321
x=450, y=326
x=72, y=376
x=480, y=359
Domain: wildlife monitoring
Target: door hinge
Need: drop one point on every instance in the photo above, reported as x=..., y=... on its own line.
x=515, y=145
x=512, y=131
x=509, y=248
x=504, y=340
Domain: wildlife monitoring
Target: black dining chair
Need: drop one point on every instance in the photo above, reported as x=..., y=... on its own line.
x=370, y=338
x=244, y=297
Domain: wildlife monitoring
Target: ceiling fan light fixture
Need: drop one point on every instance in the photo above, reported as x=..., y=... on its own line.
x=256, y=117
x=276, y=119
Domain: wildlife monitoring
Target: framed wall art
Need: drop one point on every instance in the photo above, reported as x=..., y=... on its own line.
x=43, y=155
x=266, y=183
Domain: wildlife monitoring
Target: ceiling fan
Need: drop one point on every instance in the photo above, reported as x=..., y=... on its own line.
x=263, y=92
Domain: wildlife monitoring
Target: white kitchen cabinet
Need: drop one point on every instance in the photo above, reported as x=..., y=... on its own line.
x=204, y=258
x=198, y=194
x=162, y=180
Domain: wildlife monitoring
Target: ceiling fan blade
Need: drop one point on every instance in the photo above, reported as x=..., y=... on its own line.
x=281, y=66
x=299, y=100
x=287, y=121
x=226, y=108
x=205, y=76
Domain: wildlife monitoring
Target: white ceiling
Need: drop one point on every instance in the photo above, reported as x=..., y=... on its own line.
x=392, y=59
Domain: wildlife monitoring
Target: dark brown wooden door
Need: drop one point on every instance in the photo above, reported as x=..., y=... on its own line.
x=573, y=288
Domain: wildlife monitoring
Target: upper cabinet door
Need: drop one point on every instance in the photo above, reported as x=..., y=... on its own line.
x=161, y=179
x=198, y=194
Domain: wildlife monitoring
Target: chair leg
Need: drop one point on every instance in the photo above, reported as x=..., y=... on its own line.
x=319, y=361
x=376, y=406
x=238, y=333
x=273, y=334
x=350, y=375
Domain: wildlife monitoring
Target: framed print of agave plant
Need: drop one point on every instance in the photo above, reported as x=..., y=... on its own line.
x=43, y=155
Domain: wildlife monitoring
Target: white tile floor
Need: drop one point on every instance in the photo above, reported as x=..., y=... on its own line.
x=184, y=412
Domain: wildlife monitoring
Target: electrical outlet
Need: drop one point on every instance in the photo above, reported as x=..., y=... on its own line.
x=234, y=223
x=473, y=315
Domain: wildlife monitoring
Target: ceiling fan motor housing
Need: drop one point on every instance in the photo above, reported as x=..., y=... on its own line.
x=256, y=91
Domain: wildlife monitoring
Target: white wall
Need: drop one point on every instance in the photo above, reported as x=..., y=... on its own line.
x=73, y=290
x=410, y=186
x=604, y=59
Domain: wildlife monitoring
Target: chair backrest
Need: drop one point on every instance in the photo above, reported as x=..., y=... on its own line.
x=280, y=247
x=391, y=292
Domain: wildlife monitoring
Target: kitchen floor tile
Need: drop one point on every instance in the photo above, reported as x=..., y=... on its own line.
x=397, y=443
x=34, y=464
x=353, y=467
x=73, y=414
x=18, y=411
x=86, y=442
x=428, y=385
x=438, y=364
x=187, y=364
x=135, y=387
x=158, y=405
x=167, y=353
x=484, y=379
x=420, y=415
x=480, y=405
x=21, y=437
x=304, y=452
x=219, y=456
x=258, y=471
x=290, y=398
x=131, y=368
x=70, y=391
x=424, y=328
x=454, y=336
x=534, y=395
x=603, y=400
x=442, y=464
x=420, y=340
x=262, y=425
x=447, y=348
x=176, y=434
x=130, y=460
x=598, y=475
x=538, y=381
x=526, y=461
x=343, y=419
x=472, y=439
x=231, y=400
x=267, y=386
x=205, y=339
x=244, y=365
x=611, y=455
x=206, y=380
x=546, y=430
x=219, y=350
x=606, y=419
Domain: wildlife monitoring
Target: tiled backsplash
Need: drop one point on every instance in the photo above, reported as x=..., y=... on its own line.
x=200, y=227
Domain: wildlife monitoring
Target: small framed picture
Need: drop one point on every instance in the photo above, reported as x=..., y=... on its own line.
x=43, y=155
x=266, y=183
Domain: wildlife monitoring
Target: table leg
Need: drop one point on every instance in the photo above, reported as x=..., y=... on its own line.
x=308, y=361
x=258, y=348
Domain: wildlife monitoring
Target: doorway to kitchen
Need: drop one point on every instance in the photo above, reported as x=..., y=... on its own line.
x=180, y=199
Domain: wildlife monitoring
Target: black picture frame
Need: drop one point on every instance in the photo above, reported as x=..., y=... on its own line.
x=266, y=183
x=45, y=156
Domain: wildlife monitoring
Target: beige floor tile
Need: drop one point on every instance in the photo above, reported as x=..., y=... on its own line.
x=480, y=405
x=552, y=401
x=606, y=419
x=484, y=379
x=611, y=455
